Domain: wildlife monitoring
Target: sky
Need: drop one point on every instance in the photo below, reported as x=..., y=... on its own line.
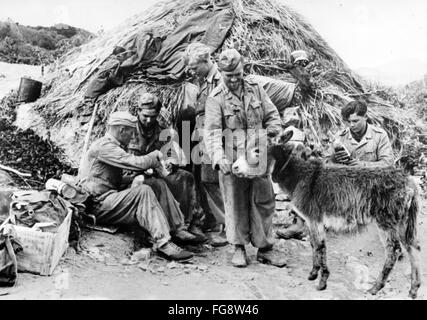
x=365, y=33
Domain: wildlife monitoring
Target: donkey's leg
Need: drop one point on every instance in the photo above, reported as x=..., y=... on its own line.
x=316, y=255
x=392, y=250
x=317, y=238
x=413, y=249
x=414, y=257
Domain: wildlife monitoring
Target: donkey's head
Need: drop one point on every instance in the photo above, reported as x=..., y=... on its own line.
x=260, y=155
x=281, y=150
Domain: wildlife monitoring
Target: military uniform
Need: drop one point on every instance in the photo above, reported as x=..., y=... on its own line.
x=101, y=175
x=373, y=150
x=206, y=176
x=177, y=191
x=249, y=203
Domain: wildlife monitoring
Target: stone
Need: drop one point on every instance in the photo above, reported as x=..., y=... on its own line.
x=141, y=255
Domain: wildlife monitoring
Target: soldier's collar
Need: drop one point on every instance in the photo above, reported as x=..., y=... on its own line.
x=368, y=134
x=213, y=74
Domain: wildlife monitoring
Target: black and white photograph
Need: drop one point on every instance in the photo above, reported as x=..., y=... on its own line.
x=221, y=152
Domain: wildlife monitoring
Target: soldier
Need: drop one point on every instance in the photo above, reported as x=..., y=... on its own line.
x=101, y=175
x=361, y=144
x=180, y=183
x=242, y=106
x=200, y=64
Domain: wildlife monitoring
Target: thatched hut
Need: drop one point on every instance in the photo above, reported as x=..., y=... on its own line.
x=264, y=32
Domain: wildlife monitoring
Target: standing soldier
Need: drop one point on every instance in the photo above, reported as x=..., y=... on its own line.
x=241, y=106
x=200, y=64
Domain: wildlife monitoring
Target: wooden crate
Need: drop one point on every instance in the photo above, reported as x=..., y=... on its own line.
x=42, y=250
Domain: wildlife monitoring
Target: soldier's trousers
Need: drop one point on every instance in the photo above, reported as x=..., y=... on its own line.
x=137, y=205
x=210, y=194
x=249, y=208
x=168, y=203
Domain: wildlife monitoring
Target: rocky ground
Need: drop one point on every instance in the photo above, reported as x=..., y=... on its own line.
x=103, y=270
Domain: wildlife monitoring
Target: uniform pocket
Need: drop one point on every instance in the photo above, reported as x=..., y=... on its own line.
x=257, y=114
x=367, y=152
x=231, y=121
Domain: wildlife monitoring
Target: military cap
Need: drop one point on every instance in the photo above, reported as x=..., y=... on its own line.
x=299, y=55
x=230, y=60
x=148, y=101
x=122, y=118
x=197, y=50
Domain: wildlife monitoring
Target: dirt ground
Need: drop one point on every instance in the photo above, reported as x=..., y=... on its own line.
x=102, y=270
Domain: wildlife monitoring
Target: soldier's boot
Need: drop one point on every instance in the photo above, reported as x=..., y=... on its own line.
x=297, y=230
x=239, y=259
x=271, y=256
x=196, y=225
x=172, y=252
x=218, y=239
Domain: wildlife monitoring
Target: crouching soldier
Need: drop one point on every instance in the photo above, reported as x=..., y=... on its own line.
x=180, y=183
x=101, y=175
x=242, y=106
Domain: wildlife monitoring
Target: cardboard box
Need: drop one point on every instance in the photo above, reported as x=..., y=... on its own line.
x=42, y=250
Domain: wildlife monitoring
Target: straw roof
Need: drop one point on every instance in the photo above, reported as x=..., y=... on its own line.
x=263, y=31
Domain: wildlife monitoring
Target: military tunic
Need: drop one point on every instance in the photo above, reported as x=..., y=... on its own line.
x=176, y=192
x=101, y=175
x=206, y=177
x=373, y=150
x=249, y=203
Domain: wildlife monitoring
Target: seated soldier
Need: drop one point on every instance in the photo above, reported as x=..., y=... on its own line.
x=181, y=183
x=101, y=175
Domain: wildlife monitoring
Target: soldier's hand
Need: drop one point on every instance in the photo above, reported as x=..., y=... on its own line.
x=340, y=157
x=156, y=154
x=224, y=166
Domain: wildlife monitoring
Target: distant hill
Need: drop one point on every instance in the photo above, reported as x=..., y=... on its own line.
x=36, y=45
x=396, y=73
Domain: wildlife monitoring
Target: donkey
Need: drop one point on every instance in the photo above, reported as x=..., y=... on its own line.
x=345, y=199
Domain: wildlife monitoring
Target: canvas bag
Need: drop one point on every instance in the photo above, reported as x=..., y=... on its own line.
x=9, y=246
x=42, y=207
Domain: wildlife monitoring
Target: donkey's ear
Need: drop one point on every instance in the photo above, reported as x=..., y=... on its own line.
x=286, y=136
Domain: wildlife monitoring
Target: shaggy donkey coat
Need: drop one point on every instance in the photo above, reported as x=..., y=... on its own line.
x=346, y=198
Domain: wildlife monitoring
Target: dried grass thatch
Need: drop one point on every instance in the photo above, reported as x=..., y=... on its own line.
x=263, y=31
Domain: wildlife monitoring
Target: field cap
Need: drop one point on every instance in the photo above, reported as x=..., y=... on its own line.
x=230, y=60
x=148, y=101
x=299, y=55
x=122, y=118
x=196, y=51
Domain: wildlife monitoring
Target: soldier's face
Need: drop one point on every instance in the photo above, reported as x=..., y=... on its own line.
x=147, y=117
x=357, y=123
x=126, y=135
x=198, y=68
x=233, y=80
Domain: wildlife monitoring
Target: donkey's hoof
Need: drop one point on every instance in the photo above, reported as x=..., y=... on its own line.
x=413, y=294
x=321, y=286
x=312, y=276
x=374, y=290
